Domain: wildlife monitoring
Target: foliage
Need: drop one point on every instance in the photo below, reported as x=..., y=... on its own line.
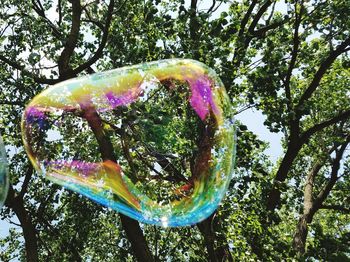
x=289, y=59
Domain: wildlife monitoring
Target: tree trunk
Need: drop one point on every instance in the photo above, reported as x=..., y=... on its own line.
x=221, y=253
x=300, y=236
x=29, y=231
x=299, y=240
x=131, y=227
x=136, y=238
x=274, y=196
x=209, y=238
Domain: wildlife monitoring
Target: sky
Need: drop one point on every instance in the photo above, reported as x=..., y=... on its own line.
x=254, y=120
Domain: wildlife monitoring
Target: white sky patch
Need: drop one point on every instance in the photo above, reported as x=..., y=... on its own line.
x=157, y=167
x=254, y=120
x=53, y=135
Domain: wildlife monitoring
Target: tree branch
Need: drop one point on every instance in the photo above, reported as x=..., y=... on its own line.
x=38, y=8
x=318, y=127
x=65, y=244
x=246, y=17
x=243, y=42
x=71, y=42
x=59, y=7
x=293, y=148
x=174, y=173
x=261, y=31
x=259, y=15
x=211, y=7
x=26, y=181
x=308, y=191
x=323, y=194
x=194, y=26
x=300, y=236
x=336, y=208
x=102, y=45
x=296, y=42
x=21, y=68
x=91, y=20
x=327, y=63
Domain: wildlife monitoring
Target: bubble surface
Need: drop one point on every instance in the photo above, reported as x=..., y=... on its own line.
x=154, y=141
x=4, y=179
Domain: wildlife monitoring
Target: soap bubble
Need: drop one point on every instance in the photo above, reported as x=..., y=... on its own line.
x=4, y=179
x=154, y=141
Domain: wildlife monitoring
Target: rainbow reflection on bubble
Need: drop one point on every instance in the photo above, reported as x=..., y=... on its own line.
x=4, y=179
x=154, y=141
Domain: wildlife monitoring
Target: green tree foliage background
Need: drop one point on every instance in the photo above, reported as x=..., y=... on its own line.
x=289, y=59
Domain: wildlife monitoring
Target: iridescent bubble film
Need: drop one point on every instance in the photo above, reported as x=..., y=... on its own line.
x=4, y=179
x=155, y=141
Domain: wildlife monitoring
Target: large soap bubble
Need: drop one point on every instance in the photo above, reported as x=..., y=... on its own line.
x=4, y=179
x=154, y=141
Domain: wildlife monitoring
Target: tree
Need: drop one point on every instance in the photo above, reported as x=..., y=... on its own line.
x=288, y=59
